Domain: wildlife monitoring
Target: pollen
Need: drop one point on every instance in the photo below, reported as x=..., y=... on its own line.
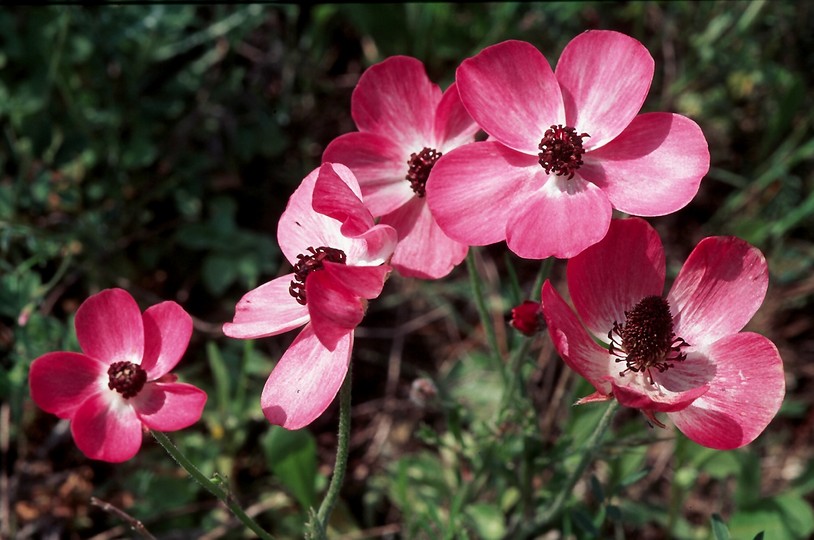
x=420, y=165
x=126, y=378
x=561, y=150
x=312, y=262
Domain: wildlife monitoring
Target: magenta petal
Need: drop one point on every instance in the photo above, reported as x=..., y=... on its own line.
x=653, y=168
x=373, y=247
x=744, y=396
x=335, y=311
x=604, y=77
x=473, y=190
x=109, y=327
x=335, y=199
x=364, y=281
x=169, y=406
x=61, y=381
x=395, y=99
x=106, y=427
x=453, y=125
x=612, y=276
x=559, y=220
x=305, y=380
x=167, y=329
x=718, y=290
x=576, y=347
x=647, y=398
x=267, y=310
x=423, y=251
x=511, y=92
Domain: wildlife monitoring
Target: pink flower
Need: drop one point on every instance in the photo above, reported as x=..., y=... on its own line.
x=565, y=147
x=527, y=318
x=682, y=354
x=405, y=124
x=122, y=381
x=338, y=254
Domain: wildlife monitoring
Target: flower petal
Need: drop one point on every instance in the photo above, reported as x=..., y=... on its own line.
x=473, y=190
x=511, y=92
x=744, y=396
x=453, y=125
x=635, y=395
x=612, y=276
x=334, y=198
x=364, y=281
x=305, y=380
x=109, y=327
x=373, y=247
x=167, y=329
x=559, y=220
x=267, y=310
x=718, y=290
x=653, y=168
x=604, y=77
x=169, y=406
x=106, y=427
x=335, y=311
x=61, y=381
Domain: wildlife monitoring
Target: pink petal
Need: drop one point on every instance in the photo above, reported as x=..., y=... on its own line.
x=576, y=347
x=334, y=198
x=109, y=327
x=305, y=380
x=453, y=125
x=604, y=77
x=267, y=310
x=167, y=329
x=423, y=251
x=364, y=281
x=744, y=396
x=559, y=220
x=106, y=427
x=61, y=381
x=511, y=92
x=718, y=290
x=653, y=168
x=395, y=99
x=169, y=406
x=635, y=391
x=380, y=165
x=612, y=276
x=335, y=310
x=473, y=190
x=373, y=247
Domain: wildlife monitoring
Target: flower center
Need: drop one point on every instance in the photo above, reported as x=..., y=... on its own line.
x=420, y=167
x=561, y=150
x=311, y=263
x=126, y=378
x=646, y=339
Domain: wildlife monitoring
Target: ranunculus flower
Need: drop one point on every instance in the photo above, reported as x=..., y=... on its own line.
x=683, y=354
x=338, y=254
x=121, y=383
x=565, y=147
x=405, y=124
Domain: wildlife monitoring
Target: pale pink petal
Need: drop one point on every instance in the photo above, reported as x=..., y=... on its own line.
x=453, y=125
x=334, y=198
x=169, y=406
x=718, y=290
x=106, y=427
x=109, y=327
x=745, y=394
x=576, y=347
x=373, y=247
x=653, y=168
x=473, y=190
x=423, y=251
x=639, y=396
x=396, y=99
x=612, y=276
x=61, y=381
x=334, y=309
x=380, y=165
x=305, y=380
x=511, y=92
x=604, y=77
x=167, y=329
x=364, y=281
x=267, y=310
x=559, y=220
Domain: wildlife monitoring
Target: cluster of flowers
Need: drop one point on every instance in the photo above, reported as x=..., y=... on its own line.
x=411, y=190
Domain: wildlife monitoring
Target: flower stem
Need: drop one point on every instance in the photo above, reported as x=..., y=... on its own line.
x=480, y=304
x=212, y=487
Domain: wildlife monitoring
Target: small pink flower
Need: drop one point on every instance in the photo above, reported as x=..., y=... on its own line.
x=683, y=354
x=528, y=318
x=338, y=254
x=121, y=384
x=405, y=124
x=565, y=147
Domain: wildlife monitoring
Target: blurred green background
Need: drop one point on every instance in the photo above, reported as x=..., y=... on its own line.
x=153, y=147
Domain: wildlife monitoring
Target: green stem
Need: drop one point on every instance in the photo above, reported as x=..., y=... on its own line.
x=213, y=488
x=480, y=304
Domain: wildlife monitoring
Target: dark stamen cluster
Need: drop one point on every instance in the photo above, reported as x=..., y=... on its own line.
x=420, y=166
x=126, y=378
x=561, y=150
x=310, y=263
x=646, y=339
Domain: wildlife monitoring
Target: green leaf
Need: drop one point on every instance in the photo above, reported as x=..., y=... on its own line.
x=292, y=457
x=487, y=521
x=719, y=530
